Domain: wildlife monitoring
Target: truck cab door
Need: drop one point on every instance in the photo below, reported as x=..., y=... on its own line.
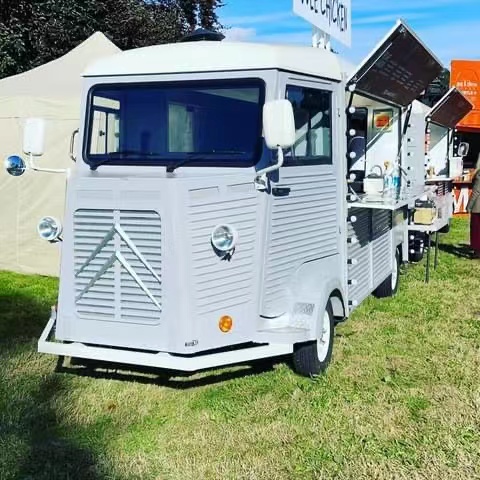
x=304, y=207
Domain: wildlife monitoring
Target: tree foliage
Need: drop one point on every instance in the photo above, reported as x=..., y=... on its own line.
x=201, y=12
x=33, y=32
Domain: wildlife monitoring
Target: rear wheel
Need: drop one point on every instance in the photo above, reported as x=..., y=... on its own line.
x=445, y=229
x=389, y=287
x=313, y=358
x=416, y=257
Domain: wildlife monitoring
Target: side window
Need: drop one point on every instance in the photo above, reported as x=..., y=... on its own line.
x=313, y=122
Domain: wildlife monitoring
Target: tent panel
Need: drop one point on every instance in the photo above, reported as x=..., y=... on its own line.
x=28, y=198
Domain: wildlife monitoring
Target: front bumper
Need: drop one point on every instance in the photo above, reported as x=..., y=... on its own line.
x=162, y=360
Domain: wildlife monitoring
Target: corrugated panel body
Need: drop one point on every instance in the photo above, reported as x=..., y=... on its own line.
x=369, y=251
x=382, y=244
x=359, y=254
x=223, y=284
x=303, y=228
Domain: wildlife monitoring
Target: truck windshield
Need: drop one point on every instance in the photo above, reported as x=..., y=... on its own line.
x=205, y=123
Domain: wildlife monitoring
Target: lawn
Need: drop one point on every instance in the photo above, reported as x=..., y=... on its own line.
x=400, y=400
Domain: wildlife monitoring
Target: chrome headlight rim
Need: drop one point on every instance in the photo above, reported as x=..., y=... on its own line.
x=49, y=222
x=233, y=238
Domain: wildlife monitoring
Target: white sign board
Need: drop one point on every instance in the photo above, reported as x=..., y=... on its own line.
x=333, y=17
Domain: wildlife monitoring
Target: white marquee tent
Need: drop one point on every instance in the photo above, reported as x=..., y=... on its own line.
x=53, y=92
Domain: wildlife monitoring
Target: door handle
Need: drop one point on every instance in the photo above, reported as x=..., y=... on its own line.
x=281, y=191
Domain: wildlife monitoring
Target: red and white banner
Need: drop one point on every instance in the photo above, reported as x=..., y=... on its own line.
x=461, y=193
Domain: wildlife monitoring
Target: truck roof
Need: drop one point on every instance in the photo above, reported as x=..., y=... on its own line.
x=218, y=56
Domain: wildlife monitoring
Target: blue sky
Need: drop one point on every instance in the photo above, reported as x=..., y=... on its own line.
x=450, y=28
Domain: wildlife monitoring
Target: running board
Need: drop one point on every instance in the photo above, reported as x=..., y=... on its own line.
x=156, y=360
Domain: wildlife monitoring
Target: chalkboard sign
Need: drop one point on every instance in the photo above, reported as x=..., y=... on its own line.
x=398, y=71
x=450, y=109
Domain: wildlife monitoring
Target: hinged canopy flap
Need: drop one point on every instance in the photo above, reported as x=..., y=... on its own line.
x=450, y=109
x=398, y=70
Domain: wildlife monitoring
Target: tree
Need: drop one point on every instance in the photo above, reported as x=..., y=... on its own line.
x=33, y=32
x=201, y=13
x=208, y=14
x=136, y=23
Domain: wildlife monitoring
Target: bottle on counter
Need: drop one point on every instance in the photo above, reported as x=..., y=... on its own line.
x=387, y=179
x=396, y=180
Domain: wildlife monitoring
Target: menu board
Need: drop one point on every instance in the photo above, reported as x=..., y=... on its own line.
x=450, y=109
x=398, y=71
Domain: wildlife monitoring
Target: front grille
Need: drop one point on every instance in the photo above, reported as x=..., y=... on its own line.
x=118, y=265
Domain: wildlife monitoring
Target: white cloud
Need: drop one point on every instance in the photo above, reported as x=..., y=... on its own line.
x=360, y=6
x=239, y=34
x=387, y=18
x=257, y=19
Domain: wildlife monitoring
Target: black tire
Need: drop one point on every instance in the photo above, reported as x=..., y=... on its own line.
x=388, y=288
x=416, y=257
x=445, y=229
x=306, y=359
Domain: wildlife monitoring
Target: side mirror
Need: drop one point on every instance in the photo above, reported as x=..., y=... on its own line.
x=278, y=124
x=15, y=166
x=463, y=149
x=34, y=136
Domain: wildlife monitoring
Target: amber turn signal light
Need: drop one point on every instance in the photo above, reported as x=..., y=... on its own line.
x=225, y=324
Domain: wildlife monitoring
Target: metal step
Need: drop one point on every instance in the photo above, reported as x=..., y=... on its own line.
x=283, y=335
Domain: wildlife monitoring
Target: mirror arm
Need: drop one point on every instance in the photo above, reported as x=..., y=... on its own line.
x=33, y=166
x=272, y=168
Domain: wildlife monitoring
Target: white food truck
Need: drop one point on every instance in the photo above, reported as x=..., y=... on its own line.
x=211, y=217
x=432, y=160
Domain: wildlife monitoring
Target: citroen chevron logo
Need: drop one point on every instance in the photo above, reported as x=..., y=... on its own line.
x=118, y=257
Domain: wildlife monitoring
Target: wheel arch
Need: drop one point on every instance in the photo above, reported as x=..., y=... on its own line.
x=338, y=304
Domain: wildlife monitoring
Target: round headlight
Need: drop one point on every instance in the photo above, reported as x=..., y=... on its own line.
x=49, y=229
x=224, y=238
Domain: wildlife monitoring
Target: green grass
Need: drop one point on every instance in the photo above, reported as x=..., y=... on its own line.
x=400, y=400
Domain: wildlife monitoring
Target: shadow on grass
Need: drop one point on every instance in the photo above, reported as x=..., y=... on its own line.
x=49, y=455
x=22, y=316
x=164, y=378
x=32, y=446
x=462, y=250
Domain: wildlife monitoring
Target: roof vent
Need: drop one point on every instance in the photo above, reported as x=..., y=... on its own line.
x=201, y=34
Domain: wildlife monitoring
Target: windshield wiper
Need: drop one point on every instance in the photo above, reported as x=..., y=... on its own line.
x=194, y=156
x=114, y=156
x=191, y=157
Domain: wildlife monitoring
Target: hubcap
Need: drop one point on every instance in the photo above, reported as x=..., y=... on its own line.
x=394, y=274
x=324, y=341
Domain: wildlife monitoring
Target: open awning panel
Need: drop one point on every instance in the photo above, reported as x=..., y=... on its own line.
x=450, y=109
x=398, y=70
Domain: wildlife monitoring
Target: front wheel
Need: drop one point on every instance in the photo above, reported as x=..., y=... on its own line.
x=313, y=358
x=389, y=287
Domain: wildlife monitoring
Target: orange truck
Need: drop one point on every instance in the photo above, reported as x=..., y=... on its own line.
x=465, y=76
